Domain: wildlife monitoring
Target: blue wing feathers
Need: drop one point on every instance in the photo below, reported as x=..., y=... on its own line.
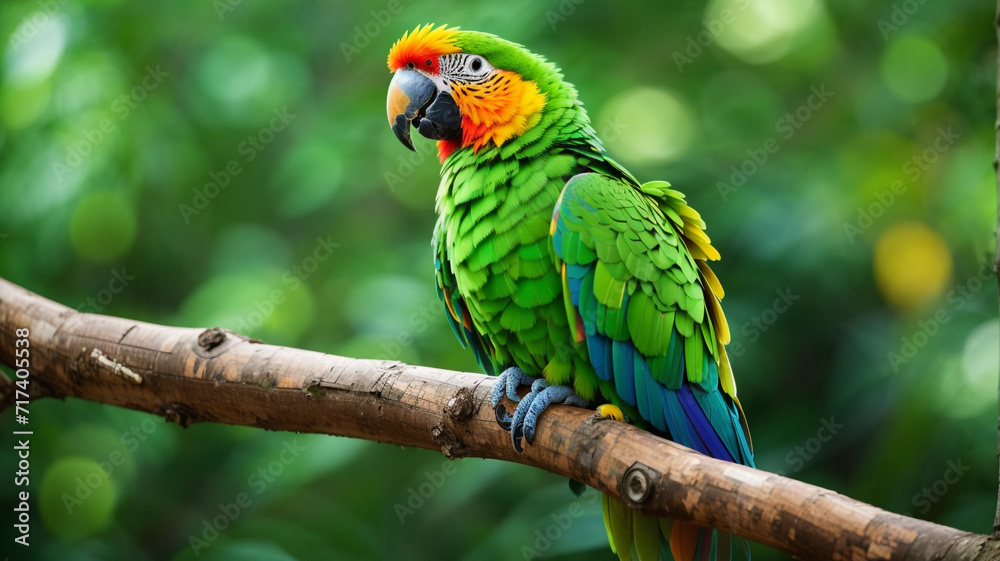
x=653, y=396
x=674, y=364
x=600, y=356
x=574, y=277
x=641, y=389
x=624, y=368
x=711, y=374
x=701, y=424
x=678, y=424
x=697, y=415
x=588, y=305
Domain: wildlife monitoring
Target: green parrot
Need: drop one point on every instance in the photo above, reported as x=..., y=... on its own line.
x=563, y=272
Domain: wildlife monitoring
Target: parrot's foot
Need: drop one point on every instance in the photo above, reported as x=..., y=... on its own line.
x=507, y=384
x=525, y=419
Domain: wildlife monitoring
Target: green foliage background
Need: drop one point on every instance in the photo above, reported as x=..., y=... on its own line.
x=890, y=336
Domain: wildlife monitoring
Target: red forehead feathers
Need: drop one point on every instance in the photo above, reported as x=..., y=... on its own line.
x=420, y=48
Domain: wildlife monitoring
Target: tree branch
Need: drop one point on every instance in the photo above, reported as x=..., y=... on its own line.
x=996, y=261
x=194, y=375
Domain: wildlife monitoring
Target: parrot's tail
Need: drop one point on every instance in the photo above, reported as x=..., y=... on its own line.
x=634, y=535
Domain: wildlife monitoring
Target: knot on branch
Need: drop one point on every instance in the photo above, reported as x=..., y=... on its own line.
x=462, y=406
x=638, y=483
x=451, y=446
x=314, y=388
x=459, y=408
x=177, y=413
x=211, y=338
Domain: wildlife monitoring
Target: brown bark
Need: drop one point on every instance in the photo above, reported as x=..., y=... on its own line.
x=195, y=375
x=996, y=261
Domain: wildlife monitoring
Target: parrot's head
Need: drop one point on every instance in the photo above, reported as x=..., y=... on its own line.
x=465, y=88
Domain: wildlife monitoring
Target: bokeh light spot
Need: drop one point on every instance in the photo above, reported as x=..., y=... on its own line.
x=77, y=497
x=981, y=361
x=385, y=304
x=35, y=48
x=646, y=126
x=248, y=246
x=762, y=31
x=914, y=69
x=315, y=171
x=235, y=70
x=102, y=227
x=20, y=106
x=912, y=265
x=273, y=305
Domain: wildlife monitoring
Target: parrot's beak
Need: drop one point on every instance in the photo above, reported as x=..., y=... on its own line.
x=414, y=100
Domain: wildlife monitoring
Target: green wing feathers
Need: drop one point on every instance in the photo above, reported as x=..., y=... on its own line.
x=457, y=311
x=646, y=304
x=636, y=283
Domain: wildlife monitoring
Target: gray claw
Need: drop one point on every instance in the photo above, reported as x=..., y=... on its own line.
x=503, y=418
x=507, y=384
x=546, y=396
x=523, y=423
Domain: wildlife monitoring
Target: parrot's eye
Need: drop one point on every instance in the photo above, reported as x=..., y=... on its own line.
x=466, y=68
x=474, y=65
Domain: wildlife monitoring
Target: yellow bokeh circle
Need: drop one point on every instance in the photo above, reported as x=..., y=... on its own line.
x=912, y=265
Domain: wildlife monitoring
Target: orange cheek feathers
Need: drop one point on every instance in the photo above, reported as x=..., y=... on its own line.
x=498, y=109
